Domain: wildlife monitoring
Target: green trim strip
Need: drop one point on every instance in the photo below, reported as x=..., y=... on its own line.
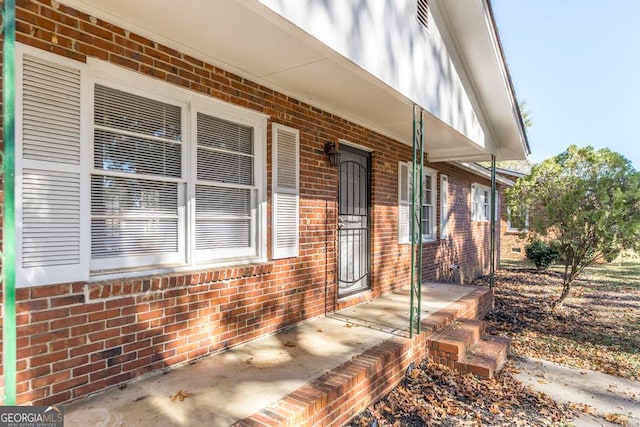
x=492, y=249
x=8, y=226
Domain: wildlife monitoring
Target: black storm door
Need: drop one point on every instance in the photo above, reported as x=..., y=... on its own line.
x=353, y=222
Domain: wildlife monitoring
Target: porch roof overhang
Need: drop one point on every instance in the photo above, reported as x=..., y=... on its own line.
x=249, y=39
x=479, y=170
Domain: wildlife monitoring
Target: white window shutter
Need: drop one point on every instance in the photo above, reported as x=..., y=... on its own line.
x=51, y=190
x=404, y=202
x=286, y=188
x=474, y=203
x=444, y=206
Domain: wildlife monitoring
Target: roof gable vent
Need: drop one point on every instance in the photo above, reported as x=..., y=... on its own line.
x=423, y=14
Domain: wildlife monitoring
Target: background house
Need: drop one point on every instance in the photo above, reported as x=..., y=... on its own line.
x=512, y=242
x=175, y=193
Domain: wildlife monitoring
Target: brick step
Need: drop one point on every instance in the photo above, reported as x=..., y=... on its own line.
x=486, y=358
x=451, y=343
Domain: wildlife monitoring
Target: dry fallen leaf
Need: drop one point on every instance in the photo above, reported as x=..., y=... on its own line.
x=587, y=409
x=181, y=395
x=617, y=418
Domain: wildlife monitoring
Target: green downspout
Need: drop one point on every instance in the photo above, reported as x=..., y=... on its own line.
x=492, y=281
x=416, y=221
x=8, y=229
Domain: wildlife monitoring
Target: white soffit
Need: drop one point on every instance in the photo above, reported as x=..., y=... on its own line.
x=248, y=39
x=472, y=32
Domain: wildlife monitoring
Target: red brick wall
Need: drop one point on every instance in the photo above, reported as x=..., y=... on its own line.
x=512, y=243
x=76, y=339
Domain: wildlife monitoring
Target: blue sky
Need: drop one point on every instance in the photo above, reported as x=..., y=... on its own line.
x=577, y=65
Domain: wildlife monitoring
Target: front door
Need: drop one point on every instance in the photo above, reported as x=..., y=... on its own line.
x=353, y=222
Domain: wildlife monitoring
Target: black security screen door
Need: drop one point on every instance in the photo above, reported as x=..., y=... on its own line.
x=353, y=222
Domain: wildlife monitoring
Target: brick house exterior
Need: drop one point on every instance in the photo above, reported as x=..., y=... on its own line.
x=78, y=337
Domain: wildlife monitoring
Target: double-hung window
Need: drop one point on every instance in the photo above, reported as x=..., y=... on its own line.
x=429, y=204
x=116, y=173
x=225, y=189
x=137, y=181
x=429, y=191
x=480, y=202
x=518, y=221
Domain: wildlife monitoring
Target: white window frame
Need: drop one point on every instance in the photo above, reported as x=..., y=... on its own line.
x=405, y=204
x=444, y=206
x=186, y=258
x=429, y=205
x=110, y=75
x=129, y=261
x=511, y=228
x=480, y=202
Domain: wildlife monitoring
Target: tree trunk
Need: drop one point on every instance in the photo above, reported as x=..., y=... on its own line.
x=566, y=288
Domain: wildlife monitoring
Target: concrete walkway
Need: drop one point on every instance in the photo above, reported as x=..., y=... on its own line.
x=224, y=388
x=606, y=394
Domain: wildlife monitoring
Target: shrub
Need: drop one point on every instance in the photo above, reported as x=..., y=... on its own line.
x=541, y=254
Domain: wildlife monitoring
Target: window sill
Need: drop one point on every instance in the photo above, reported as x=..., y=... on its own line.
x=144, y=272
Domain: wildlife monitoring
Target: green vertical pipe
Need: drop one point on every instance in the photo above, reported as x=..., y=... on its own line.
x=8, y=229
x=492, y=250
x=412, y=296
x=420, y=221
x=416, y=220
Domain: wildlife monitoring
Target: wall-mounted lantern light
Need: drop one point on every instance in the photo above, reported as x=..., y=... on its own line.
x=331, y=150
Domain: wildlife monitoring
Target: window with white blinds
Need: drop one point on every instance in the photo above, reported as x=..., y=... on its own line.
x=429, y=191
x=117, y=172
x=429, y=204
x=480, y=202
x=136, y=185
x=225, y=217
x=286, y=154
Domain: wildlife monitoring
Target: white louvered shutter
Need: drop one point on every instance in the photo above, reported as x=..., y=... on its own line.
x=474, y=203
x=50, y=188
x=286, y=154
x=404, y=203
x=444, y=206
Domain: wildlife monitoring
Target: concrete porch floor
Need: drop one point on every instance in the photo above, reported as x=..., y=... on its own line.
x=228, y=387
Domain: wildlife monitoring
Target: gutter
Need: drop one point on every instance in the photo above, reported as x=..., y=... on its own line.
x=476, y=169
x=508, y=74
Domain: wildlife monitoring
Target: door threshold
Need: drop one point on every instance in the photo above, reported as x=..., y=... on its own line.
x=354, y=294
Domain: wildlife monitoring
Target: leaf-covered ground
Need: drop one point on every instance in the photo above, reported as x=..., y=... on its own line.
x=433, y=395
x=598, y=328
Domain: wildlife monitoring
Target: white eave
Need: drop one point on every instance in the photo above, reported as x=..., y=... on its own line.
x=249, y=39
x=483, y=172
x=475, y=38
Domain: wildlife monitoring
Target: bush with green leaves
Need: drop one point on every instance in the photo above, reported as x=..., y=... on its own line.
x=587, y=201
x=541, y=254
